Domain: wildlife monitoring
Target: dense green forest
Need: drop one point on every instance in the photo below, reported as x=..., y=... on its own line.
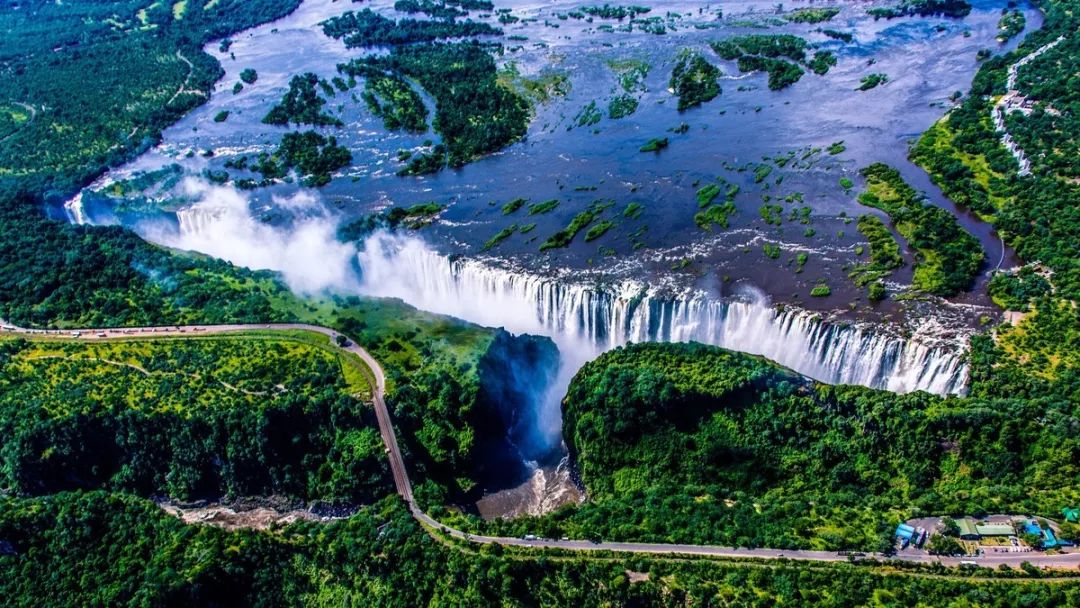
x=114, y=549
x=696, y=444
x=948, y=257
x=947, y=8
x=1035, y=213
x=192, y=418
x=301, y=105
x=148, y=70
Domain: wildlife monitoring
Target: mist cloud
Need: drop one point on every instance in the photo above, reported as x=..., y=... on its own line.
x=307, y=253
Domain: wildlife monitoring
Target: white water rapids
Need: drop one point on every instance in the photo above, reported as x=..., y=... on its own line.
x=577, y=315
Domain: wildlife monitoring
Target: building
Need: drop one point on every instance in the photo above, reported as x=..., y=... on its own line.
x=904, y=533
x=967, y=529
x=995, y=530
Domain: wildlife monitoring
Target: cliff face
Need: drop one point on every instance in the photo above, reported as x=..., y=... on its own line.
x=516, y=375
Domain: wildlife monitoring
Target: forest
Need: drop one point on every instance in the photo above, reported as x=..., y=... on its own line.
x=201, y=418
x=696, y=444
x=1034, y=213
x=694, y=80
x=367, y=28
x=301, y=105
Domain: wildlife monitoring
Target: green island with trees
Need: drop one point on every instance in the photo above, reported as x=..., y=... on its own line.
x=694, y=79
x=779, y=55
x=948, y=257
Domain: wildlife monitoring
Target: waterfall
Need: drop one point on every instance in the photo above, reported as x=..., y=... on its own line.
x=583, y=318
x=198, y=220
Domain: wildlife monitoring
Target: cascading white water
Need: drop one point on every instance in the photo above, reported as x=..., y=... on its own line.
x=578, y=316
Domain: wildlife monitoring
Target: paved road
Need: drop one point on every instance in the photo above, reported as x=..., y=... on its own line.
x=1069, y=561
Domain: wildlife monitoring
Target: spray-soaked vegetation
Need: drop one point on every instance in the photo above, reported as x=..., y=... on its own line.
x=668, y=437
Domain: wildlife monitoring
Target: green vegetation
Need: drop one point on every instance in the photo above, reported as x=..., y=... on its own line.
x=780, y=55
x=248, y=76
x=694, y=79
x=622, y=106
x=948, y=258
x=947, y=8
x=614, y=12
x=473, y=113
x=633, y=210
x=513, y=206
x=221, y=116
x=712, y=212
x=837, y=147
x=1018, y=290
x=101, y=80
x=885, y=253
x=598, y=230
x=872, y=80
x=542, y=88
x=588, y=116
x=501, y=236
x=654, y=145
x=771, y=250
x=671, y=435
x=314, y=156
x=442, y=9
x=812, y=15
x=838, y=35
x=564, y=237
x=301, y=105
x=820, y=290
x=1010, y=25
x=186, y=418
x=366, y=28
x=400, y=107
x=124, y=550
x=846, y=183
x=543, y=207
x=964, y=156
x=631, y=73
x=761, y=172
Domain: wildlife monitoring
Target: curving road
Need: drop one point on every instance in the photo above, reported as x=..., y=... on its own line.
x=1069, y=561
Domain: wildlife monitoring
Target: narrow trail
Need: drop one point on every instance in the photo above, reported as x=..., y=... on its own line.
x=187, y=79
x=1062, y=561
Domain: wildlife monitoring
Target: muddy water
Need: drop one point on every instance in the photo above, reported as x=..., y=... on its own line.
x=547, y=488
